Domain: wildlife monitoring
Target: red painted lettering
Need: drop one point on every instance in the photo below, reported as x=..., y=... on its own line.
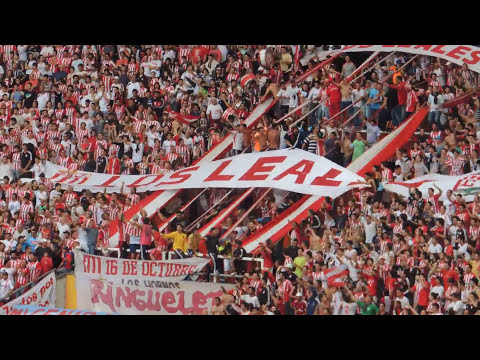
x=138, y=182
x=145, y=268
x=438, y=49
x=305, y=165
x=97, y=293
x=325, y=180
x=217, y=174
x=133, y=268
x=424, y=47
x=150, y=269
x=126, y=268
x=180, y=175
x=184, y=270
x=168, y=299
x=458, y=50
x=168, y=269
x=404, y=46
x=475, y=58
x=259, y=167
x=140, y=304
x=161, y=265
x=126, y=296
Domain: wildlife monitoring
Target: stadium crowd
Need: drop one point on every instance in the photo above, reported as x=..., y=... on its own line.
x=128, y=110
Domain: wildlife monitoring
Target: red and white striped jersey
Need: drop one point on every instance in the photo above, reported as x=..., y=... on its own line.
x=113, y=148
x=69, y=198
x=113, y=213
x=16, y=161
x=184, y=152
x=35, y=269
x=133, y=230
x=128, y=165
x=256, y=284
x=22, y=278
x=156, y=169
x=387, y=175
x=231, y=77
x=64, y=161
x=183, y=52
x=132, y=67
x=26, y=208
x=134, y=198
x=171, y=157
x=456, y=166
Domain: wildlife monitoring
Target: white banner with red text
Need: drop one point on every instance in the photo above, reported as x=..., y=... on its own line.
x=292, y=170
x=42, y=294
x=467, y=185
x=143, y=273
x=457, y=54
x=184, y=298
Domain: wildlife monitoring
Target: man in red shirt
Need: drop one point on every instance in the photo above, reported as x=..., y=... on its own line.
x=333, y=91
x=299, y=305
x=399, y=111
x=421, y=289
x=46, y=263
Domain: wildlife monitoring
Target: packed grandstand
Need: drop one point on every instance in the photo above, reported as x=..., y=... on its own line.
x=241, y=179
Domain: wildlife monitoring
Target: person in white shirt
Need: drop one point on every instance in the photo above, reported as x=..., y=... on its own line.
x=42, y=98
x=132, y=85
x=47, y=51
x=168, y=143
x=189, y=78
x=292, y=94
x=251, y=298
x=237, y=146
x=370, y=228
x=402, y=299
x=434, y=247
x=137, y=148
x=456, y=306
x=211, y=64
x=438, y=288
x=214, y=109
x=6, y=285
x=155, y=65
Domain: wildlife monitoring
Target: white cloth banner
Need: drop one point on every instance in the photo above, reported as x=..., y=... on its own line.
x=43, y=294
x=185, y=298
x=468, y=185
x=292, y=170
x=457, y=54
x=143, y=273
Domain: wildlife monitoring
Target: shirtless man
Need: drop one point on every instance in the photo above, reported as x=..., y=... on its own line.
x=218, y=308
x=247, y=138
x=450, y=139
x=259, y=140
x=273, y=89
x=347, y=151
x=273, y=137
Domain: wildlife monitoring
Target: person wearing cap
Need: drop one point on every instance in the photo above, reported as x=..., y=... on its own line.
x=299, y=304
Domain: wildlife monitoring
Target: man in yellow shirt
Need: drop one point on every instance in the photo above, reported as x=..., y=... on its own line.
x=192, y=243
x=179, y=241
x=475, y=264
x=286, y=61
